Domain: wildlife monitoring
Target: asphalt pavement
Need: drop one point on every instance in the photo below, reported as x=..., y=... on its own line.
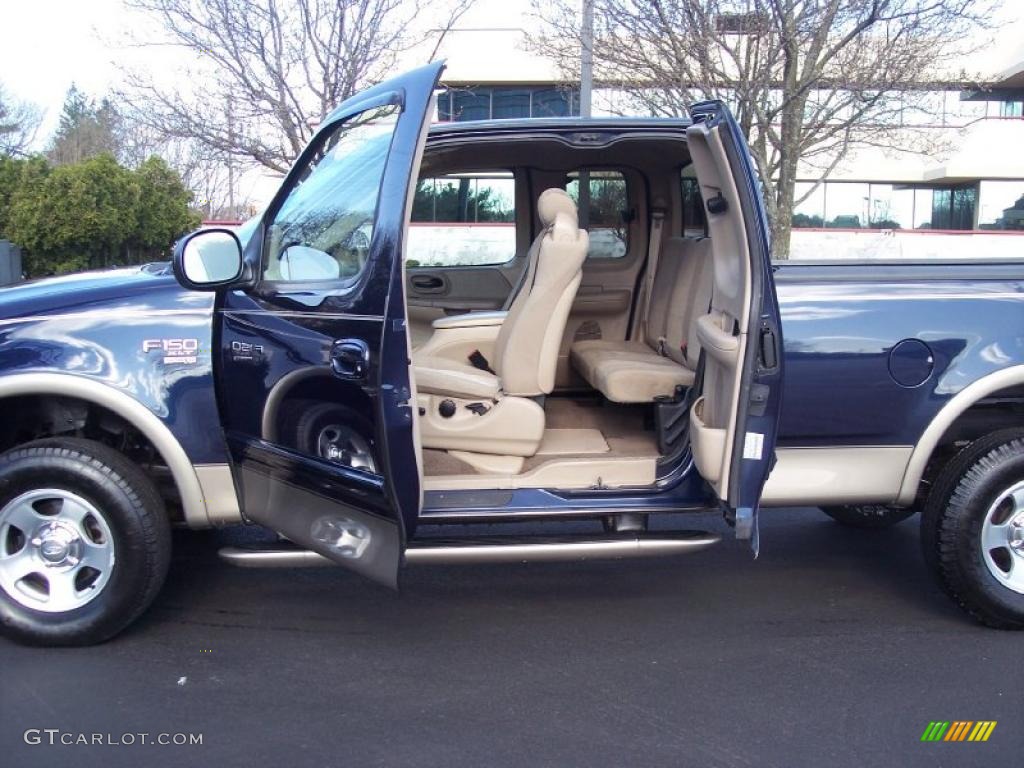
x=833, y=649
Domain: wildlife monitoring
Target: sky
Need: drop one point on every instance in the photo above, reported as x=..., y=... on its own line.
x=50, y=44
x=87, y=42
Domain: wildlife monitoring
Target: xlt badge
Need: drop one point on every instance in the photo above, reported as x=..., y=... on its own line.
x=174, y=350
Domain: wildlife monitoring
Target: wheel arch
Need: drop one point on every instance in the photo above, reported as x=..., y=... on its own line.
x=185, y=474
x=946, y=419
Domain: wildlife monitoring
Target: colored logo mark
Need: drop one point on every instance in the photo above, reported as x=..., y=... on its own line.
x=958, y=730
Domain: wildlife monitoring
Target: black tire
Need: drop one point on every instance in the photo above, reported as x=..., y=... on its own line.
x=135, y=515
x=307, y=421
x=873, y=516
x=952, y=520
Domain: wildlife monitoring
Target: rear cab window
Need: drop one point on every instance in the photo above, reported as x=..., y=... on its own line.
x=463, y=220
x=603, y=200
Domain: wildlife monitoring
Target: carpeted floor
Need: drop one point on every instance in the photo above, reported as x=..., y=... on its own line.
x=621, y=425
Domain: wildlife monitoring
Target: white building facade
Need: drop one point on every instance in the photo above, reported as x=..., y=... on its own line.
x=964, y=199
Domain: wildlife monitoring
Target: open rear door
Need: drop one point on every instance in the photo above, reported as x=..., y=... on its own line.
x=735, y=414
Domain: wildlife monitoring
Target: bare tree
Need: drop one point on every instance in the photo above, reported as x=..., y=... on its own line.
x=19, y=122
x=266, y=72
x=808, y=80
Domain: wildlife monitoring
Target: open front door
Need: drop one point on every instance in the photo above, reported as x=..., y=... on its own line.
x=735, y=415
x=313, y=384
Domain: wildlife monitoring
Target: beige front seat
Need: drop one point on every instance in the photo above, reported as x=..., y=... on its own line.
x=469, y=409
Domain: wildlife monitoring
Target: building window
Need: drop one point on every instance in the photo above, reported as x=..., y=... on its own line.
x=1011, y=109
x=846, y=205
x=603, y=200
x=463, y=220
x=863, y=205
x=890, y=207
x=507, y=103
x=1001, y=205
x=471, y=105
x=809, y=210
x=502, y=103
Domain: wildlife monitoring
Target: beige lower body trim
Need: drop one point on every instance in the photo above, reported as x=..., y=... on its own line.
x=820, y=476
x=218, y=487
x=130, y=409
x=929, y=441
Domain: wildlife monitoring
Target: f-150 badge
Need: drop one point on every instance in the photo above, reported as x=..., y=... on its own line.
x=184, y=351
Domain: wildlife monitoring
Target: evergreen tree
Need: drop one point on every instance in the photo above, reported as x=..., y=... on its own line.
x=86, y=130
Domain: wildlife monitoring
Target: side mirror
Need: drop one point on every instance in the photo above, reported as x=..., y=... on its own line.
x=208, y=259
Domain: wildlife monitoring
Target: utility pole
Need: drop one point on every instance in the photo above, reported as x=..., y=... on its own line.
x=233, y=214
x=586, y=86
x=587, y=58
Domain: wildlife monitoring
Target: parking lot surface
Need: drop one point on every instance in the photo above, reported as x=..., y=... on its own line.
x=834, y=648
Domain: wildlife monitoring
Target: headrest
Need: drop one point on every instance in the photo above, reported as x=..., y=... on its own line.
x=553, y=202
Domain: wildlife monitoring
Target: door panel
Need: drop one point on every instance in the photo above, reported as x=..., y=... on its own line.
x=314, y=384
x=462, y=289
x=466, y=250
x=734, y=418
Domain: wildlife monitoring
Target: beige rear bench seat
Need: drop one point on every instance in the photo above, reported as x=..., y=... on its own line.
x=639, y=371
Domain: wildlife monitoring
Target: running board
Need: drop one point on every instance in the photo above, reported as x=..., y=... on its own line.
x=499, y=549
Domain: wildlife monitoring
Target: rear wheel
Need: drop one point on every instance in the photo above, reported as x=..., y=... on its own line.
x=332, y=432
x=972, y=529
x=868, y=515
x=84, y=542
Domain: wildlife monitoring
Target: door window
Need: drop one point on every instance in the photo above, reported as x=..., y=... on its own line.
x=322, y=231
x=463, y=220
x=603, y=201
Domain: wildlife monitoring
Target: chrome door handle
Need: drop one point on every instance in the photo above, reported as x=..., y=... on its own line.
x=350, y=359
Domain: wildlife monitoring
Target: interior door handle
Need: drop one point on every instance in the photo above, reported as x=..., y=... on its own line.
x=427, y=282
x=350, y=358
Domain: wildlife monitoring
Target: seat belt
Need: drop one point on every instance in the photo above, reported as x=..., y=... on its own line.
x=653, y=252
x=531, y=261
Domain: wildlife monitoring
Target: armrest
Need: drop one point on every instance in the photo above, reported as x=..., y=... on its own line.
x=470, y=320
x=722, y=346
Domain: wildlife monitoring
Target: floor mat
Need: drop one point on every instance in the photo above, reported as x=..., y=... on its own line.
x=597, y=429
x=611, y=419
x=437, y=463
x=561, y=441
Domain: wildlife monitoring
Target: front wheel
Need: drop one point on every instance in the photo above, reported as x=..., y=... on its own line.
x=84, y=542
x=972, y=529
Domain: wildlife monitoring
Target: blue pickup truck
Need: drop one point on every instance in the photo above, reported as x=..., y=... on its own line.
x=631, y=351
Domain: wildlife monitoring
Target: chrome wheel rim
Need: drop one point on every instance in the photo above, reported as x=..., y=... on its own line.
x=1002, y=538
x=343, y=445
x=56, y=550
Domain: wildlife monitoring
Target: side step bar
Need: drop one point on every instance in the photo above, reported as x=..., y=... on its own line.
x=499, y=549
